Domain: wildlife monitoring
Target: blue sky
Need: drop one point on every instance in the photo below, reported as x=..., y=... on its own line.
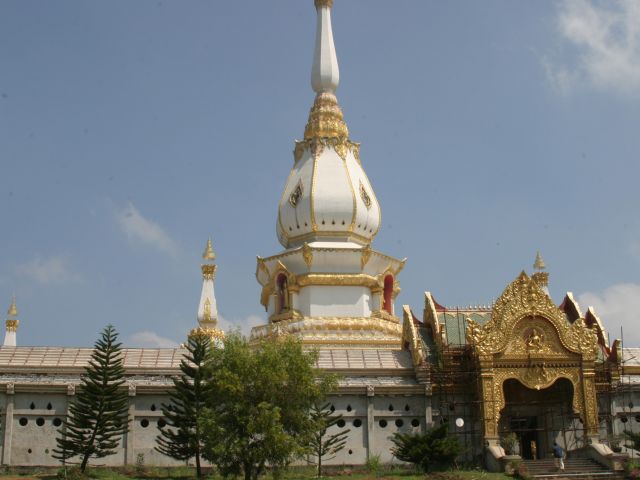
x=132, y=131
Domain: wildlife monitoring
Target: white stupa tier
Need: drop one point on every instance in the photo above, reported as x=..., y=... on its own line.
x=329, y=286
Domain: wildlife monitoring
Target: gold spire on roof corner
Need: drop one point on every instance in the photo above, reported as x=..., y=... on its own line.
x=13, y=309
x=539, y=262
x=209, y=254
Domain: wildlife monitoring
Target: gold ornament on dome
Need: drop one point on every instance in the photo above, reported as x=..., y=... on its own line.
x=325, y=118
x=366, y=199
x=295, y=196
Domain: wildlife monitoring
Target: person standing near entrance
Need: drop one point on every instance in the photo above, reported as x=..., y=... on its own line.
x=558, y=454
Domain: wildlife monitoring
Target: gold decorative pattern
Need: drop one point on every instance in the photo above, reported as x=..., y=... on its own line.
x=325, y=118
x=541, y=278
x=337, y=279
x=365, y=255
x=12, y=325
x=212, y=333
x=338, y=329
x=208, y=271
x=366, y=199
x=295, y=196
x=307, y=254
x=524, y=298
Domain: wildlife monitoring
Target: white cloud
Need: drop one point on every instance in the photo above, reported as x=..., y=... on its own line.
x=244, y=324
x=603, y=41
x=150, y=340
x=48, y=271
x=142, y=230
x=618, y=305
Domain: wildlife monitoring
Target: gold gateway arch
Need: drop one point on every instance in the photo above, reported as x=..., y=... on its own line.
x=531, y=340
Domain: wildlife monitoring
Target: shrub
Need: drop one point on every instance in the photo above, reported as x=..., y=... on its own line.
x=509, y=443
x=429, y=450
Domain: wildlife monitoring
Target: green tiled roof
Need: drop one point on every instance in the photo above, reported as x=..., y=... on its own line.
x=455, y=323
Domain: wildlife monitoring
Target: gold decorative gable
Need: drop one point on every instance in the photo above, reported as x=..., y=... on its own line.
x=531, y=340
x=524, y=298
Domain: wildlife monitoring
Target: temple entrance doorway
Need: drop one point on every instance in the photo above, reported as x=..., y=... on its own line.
x=541, y=417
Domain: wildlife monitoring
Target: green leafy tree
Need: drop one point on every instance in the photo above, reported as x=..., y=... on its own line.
x=323, y=445
x=430, y=450
x=257, y=412
x=181, y=437
x=98, y=413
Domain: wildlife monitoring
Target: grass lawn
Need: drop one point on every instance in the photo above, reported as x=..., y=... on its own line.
x=293, y=474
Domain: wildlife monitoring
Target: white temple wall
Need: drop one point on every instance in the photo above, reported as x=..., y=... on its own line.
x=334, y=301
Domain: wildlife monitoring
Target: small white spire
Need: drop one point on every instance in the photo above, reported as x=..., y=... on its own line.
x=207, y=308
x=11, y=325
x=325, y=74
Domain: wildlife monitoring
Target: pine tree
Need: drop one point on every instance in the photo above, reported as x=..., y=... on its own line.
x=323, y=445
x=181, y=438
x=98, y=413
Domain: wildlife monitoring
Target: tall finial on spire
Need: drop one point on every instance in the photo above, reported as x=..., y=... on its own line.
x=325, y=118
x=11, y=325
x=539, y=276
x=538, y=264
x=209, y=254
x=13, y=309
x=325, y=74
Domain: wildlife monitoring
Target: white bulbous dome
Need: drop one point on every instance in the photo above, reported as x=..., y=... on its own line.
x=327, y=196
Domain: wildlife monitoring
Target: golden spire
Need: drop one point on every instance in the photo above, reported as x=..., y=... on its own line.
x=209, y=254
x=13, y=309
x=539, y=262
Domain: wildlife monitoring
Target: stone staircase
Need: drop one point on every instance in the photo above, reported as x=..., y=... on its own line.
x=574, y=469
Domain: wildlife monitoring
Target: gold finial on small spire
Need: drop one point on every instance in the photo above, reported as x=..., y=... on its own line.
x=13, y=309
x=209, y=254
x=323, y=3
x=539, y=262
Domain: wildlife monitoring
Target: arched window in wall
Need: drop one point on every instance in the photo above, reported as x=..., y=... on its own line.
x=283, y=293
x=388, y=293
